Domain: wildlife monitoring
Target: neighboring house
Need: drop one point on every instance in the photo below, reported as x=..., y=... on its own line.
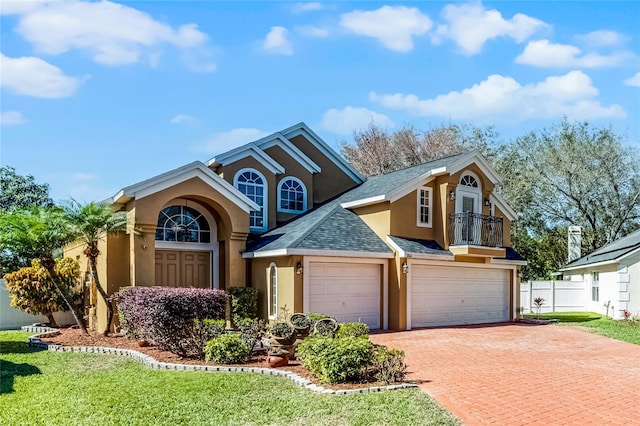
x=611, y=275
x=424, y=246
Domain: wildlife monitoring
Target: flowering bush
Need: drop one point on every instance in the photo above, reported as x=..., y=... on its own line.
x=626, y=314
x=166, y=316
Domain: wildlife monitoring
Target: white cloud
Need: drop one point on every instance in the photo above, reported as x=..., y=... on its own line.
x=471, y=25
x=503, y=99
x=601, y=38
x=393, y=26
x=633, y=81
x=276, y=42
x=312, y=31
x=32, y=76
x=11, y=118
x=182, y=119
x=224, y=141
x=113, y=34
x=306, y=7
x=348, y=119
x=542, y=53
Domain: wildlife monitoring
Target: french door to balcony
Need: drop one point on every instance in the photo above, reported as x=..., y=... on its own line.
x=468, y=201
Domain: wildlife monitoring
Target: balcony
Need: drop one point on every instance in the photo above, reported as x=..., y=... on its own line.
x=483, y=233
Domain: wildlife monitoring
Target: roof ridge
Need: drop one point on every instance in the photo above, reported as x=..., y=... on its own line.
x=420, y=164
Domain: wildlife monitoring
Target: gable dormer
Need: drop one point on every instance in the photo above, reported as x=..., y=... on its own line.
x=286, y=173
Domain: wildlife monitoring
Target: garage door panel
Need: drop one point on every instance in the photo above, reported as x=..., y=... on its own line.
x=349, y=292
x=443, y=296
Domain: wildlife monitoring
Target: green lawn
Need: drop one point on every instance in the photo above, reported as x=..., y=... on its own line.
x=619, y=330
x=48, y=388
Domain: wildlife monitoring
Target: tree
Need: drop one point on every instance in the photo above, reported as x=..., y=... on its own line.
x=572, y=174
x=91, y=223
x=36, y=233
x=18, y=192
x=33, y=292
x=375, y=151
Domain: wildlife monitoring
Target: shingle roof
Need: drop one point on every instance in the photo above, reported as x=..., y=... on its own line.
x=330, y=227
x=412, y=245
x=609, y=252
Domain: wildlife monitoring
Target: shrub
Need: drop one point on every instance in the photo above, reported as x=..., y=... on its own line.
x=33, y=292
x=388, y=365
x=355, y=329
x=251, y=330
x=227, y=349
x=336, y=360
x=165, y=316
x=244, y=303
x=201, y=333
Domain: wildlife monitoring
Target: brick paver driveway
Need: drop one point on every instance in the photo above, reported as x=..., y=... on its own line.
x=516, y=374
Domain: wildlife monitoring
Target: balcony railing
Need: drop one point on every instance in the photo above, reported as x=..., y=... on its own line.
x=475, y=229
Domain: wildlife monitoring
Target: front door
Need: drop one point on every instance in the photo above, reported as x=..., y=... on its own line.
x=467, y=206
x=183, y=268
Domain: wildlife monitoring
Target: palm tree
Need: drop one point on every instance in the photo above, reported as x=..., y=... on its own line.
x=91, y=223
x=35, y=234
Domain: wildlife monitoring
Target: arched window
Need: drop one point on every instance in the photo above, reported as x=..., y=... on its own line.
x=252, y=184
x=292, y=196
x=273, y=290
x=468, y=180
x=182, y=224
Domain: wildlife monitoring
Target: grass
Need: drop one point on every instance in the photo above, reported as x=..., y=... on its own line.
x=49, y=388
x=625, y=331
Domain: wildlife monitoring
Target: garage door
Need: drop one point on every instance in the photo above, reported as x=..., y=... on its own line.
x=453, y=296
x=346, y=291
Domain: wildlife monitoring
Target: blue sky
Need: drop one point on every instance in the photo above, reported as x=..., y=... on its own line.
x=96, y=96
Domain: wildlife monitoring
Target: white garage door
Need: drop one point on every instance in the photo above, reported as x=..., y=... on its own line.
x=442, y=295
x=349, y=292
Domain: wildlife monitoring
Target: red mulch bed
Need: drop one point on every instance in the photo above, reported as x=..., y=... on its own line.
x=74, y=337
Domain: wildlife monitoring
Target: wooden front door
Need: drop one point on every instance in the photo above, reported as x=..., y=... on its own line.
x=176, y=268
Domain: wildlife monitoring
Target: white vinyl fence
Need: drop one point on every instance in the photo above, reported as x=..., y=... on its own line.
x=12, y=318
x=559, y=296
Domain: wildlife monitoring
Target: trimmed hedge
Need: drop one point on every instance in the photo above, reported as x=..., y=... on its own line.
x=227, y=349
x=165, y=316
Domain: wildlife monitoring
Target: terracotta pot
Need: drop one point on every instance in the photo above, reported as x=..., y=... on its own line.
x=278, y=360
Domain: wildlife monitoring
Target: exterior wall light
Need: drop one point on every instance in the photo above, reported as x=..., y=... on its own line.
x=487, y=202
x=405, y=268
x=452, y=195
x=299, y=268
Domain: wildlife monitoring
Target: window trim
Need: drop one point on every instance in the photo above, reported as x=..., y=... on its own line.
x=272, y=291
x=265, y=198
x=595, y=286
x=304, y=195
x=419, y=206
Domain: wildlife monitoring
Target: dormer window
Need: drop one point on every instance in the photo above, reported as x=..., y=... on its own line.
x=292, y=196
x=424, y=204
x=252, y=184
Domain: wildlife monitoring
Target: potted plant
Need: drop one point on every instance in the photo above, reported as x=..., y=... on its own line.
x=278, y=358
x=325, y=327
x=301, y=324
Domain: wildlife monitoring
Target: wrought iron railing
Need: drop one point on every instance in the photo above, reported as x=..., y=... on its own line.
x=475, y=229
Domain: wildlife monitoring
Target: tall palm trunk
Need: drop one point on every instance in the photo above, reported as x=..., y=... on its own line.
x=92, y=253
x=49, y=264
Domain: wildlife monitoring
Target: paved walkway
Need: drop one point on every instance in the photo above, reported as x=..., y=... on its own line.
x=513, y=374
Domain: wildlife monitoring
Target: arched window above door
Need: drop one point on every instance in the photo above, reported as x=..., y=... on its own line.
x=468, y=180
x=182, y=224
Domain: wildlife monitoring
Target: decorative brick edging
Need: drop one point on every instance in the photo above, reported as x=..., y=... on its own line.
x=35, y=341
